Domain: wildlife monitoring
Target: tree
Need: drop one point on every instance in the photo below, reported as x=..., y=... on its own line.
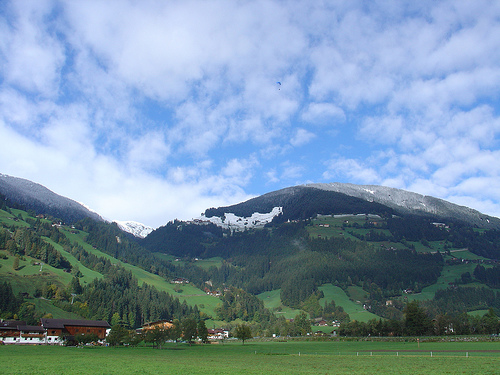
x=15, y=264
x=243, y=332
x=28, y=313
x=116, y=320
x=189, y=328
x=86, y=338
x=75, y=286
x=417, y=323
x=157, y=336
x=118, y=335
x=302, y=324
x=175, y=332
x=202, y=331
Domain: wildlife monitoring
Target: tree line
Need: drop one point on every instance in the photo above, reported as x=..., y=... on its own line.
x=417, y=322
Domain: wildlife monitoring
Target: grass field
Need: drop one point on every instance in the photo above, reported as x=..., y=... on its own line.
x=448, y=275
x=272, y=302
x=355, y=310
x=293, y=357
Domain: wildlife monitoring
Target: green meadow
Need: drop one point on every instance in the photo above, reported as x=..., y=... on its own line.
x=257, y=357
x=354, y=309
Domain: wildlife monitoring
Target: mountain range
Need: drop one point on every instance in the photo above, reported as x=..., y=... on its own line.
x=302, y=248
x=305, y=201
x=292, y=203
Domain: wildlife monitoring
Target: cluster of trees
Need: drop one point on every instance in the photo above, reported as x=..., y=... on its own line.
x=15, y=307
x=182, y=239
x=29, y=242
x=329, y=312
x=9, y=303
x=238, y=304
x=488, y=276
x=119, y=293
x=187, y=329
x=417, y=322
x=483, y=243
x=455, y=300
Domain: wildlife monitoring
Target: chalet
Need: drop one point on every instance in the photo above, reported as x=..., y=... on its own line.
x=17, y=332
x=218, y=334
x=180, y=280
x=58, y=329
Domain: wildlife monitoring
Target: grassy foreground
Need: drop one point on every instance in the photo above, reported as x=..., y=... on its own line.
x=258, y=358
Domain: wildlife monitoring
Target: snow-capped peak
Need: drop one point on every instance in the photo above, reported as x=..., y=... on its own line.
x=237, y=223
x=135, y=228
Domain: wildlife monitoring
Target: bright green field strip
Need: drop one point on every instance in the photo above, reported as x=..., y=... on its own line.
x=448, y=275
x=29, y=277
x=209, y=262
x=202, y=263
x=356, y=293
x=272, y=301
x=6, y=219
x=46, y=306
x=463, y=254
x=88, y=274
x=234, y=358
x=143, y=276
x=355, y=311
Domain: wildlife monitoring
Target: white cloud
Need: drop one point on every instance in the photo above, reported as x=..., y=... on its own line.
x=301, y=137
x=132, y=107
x=340, y=168
x=320, y=113
x=33, y=56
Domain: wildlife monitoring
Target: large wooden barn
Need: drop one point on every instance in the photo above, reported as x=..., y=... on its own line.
x=58, y=328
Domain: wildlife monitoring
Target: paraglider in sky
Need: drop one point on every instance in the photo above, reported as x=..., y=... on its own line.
x=279, y=85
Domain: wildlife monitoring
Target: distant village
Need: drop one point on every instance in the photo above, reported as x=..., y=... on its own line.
x=63, y=331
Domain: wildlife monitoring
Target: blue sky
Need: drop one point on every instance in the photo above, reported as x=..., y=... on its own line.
x=154, y=110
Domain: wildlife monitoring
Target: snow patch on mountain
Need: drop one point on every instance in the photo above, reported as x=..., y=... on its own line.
x=238, y=223
x=137, y=229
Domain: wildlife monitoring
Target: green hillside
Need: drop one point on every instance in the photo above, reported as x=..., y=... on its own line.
x=31, y=276
x=356, y=268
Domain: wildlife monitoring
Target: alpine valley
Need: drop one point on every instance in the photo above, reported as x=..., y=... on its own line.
x=358, y=260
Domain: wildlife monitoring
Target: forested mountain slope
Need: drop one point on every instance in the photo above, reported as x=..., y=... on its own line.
x=381, y=256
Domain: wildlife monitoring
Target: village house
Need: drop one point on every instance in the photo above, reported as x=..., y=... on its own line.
x=180, y=280
x=51, y=331
x=17, y=332
x=218, y=334
x=57, y=329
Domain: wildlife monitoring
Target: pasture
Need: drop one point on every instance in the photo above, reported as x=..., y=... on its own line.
x=259, y=357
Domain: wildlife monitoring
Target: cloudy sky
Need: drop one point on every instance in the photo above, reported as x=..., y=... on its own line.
x=153, y=110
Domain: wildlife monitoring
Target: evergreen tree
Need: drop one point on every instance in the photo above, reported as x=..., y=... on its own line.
x=202, y=331
x=417, y=323
x=189, y=330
